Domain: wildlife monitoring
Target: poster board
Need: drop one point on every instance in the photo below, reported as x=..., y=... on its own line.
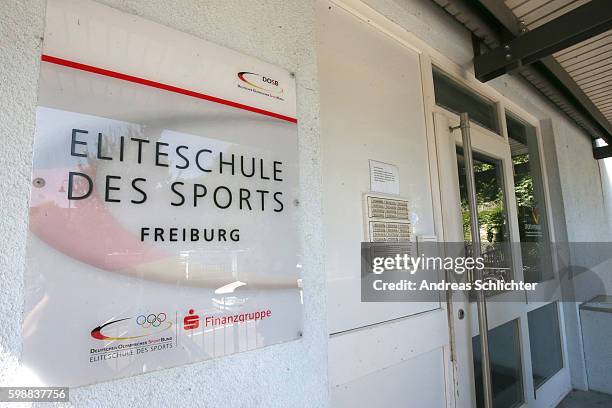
x=163, y=225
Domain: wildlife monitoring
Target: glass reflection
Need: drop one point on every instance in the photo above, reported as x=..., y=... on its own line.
x=529, y=193
x=506, y=369
x=546, y=357
x=492, y=216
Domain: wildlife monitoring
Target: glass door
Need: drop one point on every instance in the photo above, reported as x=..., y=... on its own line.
x=549, y=372
x=495, y=248
x=492, y=172
x=527, y=348
x=498, y=230
x=524, y=338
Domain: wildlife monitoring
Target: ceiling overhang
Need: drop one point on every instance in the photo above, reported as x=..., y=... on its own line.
x=547, y=46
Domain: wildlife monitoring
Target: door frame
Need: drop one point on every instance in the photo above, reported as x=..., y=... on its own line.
x=515, y=305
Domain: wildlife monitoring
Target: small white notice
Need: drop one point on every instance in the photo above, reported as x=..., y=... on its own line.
x=384, y=177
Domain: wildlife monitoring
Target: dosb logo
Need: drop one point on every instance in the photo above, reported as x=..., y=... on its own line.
x=132, y=327
x=261, y=82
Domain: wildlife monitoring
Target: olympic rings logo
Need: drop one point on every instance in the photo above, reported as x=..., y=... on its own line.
x=151, y=320
x=144, y=321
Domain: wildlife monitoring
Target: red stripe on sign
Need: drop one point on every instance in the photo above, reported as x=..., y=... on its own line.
x=159, y=85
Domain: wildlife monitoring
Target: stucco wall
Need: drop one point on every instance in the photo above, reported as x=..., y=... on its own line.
x=277, y=31
x=21, y=28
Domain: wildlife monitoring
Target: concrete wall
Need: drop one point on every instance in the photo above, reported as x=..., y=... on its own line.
x=277, y=31
x=605, y=167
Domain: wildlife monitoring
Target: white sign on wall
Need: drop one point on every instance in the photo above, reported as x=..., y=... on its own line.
x=384, y=177
x=163, y=218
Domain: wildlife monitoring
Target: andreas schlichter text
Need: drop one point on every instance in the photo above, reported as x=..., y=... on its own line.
x=407, y=285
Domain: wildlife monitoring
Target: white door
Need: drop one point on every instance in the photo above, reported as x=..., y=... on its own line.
x=380, y=353
x=517, y=378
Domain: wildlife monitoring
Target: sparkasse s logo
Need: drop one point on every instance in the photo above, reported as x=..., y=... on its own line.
x=191, y=321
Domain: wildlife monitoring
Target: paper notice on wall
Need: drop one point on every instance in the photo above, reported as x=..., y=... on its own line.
x=384, y=177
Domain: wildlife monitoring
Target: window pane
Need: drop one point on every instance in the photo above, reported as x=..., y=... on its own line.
x=506, y=369
x=456, y=98
x=492, y=216
x=546, y=357
x=529, y=193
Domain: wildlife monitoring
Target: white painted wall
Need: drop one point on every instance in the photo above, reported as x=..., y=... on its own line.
x=366, y=115
x=277, y=31
x=372, y=107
